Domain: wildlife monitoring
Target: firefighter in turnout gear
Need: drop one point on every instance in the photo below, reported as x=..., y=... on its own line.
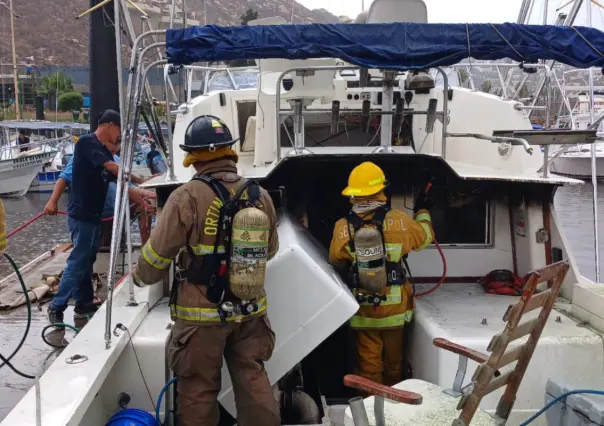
x=371, y=259
x=223, y=227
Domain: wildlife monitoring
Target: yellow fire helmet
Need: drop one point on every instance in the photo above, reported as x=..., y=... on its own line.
x=365, y=180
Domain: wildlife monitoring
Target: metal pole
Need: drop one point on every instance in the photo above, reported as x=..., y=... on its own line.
x=358, y=411
x=594, y=175
x=548, y=107
x=118, y=49
x=545, y=6
x=171, y=176
x=15, y=70
x=445, y=116
x=298, y=127
x=387, y=101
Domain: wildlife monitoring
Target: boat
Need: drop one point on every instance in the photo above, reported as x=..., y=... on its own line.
x=19, y=169
x=301, y=131
x=575, y=161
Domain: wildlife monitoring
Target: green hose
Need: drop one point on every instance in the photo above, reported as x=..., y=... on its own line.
x=57, y=325
x=6, y=361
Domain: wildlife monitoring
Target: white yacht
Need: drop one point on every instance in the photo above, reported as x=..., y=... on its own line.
x=301, y=131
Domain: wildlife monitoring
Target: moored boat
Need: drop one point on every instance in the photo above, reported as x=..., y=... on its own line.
x=301, y=134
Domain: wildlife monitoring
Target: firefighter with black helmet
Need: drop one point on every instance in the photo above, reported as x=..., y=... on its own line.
x=227, y=227
x=369, y=245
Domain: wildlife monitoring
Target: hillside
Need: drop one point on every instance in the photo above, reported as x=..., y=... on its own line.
x=50, y=34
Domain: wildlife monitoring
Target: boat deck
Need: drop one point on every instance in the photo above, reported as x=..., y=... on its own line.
x=465, y=314
x=35, y=356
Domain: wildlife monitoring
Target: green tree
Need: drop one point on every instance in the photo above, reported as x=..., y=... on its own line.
x=249, y=15
x=486, y=86
x=52, y=86
x=71, y=101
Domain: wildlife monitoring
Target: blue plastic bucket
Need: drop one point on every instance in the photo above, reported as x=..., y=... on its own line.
x=132, y=417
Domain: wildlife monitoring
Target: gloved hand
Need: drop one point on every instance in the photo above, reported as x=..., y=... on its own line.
x=422, y=203
x=136, y=279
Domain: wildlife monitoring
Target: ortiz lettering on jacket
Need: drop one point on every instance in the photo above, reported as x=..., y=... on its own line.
x=212, y=216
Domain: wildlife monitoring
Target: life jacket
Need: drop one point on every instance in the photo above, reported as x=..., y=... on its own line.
x=502, y=281
x=234, y=276
x=371, y=270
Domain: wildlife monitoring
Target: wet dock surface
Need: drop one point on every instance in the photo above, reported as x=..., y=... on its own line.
x=573, y=205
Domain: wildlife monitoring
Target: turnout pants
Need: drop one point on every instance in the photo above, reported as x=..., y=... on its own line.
x=196, y=354
x=380, y=355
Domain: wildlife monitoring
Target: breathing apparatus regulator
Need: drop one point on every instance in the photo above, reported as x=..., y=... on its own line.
x=234, y=272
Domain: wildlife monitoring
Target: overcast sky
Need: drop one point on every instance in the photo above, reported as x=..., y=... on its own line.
x=462, y=11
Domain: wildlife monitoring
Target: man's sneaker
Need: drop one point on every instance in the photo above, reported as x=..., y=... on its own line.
x=54, y=317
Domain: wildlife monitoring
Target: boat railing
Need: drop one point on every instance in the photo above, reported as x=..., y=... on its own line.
x=10, y=152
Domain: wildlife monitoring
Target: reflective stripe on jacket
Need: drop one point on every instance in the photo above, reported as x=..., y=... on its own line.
x=3, y=240
x=402, y=235
x=190, y=216
x=209, y=315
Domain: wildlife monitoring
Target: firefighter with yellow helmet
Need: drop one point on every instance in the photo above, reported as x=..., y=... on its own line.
x=224, y=226
x=372, y=258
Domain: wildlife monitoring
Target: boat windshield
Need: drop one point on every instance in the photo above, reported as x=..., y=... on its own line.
x=241, y=79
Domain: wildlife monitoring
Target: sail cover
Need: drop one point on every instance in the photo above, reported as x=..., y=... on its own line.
x=397, y=46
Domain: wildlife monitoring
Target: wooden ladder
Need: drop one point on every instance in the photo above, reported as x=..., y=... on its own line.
x=484, y=380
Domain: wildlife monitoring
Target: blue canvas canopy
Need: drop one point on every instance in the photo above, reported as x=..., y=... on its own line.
x=397, y=46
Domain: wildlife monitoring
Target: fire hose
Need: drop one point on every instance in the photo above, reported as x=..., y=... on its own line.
x=442, y=256
x=38, y=216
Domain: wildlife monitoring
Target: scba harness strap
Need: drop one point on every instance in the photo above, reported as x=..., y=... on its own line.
x=212, y=269
x=395, y=273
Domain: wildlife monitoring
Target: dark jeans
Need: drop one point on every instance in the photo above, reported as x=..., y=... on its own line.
x=77, y=277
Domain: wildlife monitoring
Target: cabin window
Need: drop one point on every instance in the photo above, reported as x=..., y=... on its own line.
x=464, y=222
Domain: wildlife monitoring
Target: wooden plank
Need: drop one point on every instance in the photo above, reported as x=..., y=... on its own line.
x=510, y=356
x=523, y=329
x=552, y=271
x=496, y=384
x=536, y=301
x=377, y=389
x=460, y=350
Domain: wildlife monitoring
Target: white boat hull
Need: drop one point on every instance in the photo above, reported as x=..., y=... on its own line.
x=577, y=166
x=16, y=175
x=44, y=181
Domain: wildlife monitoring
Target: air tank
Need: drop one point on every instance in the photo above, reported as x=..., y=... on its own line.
x=370, y=259
x=249, y=253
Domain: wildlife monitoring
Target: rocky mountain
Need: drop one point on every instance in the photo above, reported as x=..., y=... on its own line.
x=48, y=30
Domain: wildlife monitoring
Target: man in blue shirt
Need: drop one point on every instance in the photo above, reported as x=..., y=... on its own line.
x=93, y=169
x=136, y=195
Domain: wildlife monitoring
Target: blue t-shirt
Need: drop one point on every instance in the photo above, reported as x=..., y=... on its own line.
x=89, y=180
x=109, y=200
